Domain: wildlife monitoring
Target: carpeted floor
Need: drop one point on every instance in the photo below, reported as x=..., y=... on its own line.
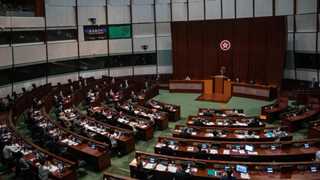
x=120, y=165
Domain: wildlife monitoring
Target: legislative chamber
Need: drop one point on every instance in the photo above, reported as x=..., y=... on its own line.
x=159, y=89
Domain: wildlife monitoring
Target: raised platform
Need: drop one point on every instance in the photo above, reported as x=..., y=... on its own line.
x=214, y=98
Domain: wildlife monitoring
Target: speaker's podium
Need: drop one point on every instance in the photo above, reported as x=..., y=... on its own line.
x=221, y=90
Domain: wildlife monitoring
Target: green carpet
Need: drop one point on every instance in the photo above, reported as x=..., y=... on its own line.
x=120, y=165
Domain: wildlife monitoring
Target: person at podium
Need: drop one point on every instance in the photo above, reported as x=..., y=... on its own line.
x=187, y=78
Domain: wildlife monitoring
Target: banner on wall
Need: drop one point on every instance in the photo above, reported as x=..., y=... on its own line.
x=95, y=32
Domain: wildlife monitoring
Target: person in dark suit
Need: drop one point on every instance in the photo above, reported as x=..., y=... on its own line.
x=228, y=175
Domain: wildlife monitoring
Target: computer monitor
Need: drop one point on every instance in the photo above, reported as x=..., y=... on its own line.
x=313, y=169
x=248, y=148
x=306, y=146
x=152, y=160
x=241, y=169
x=269, y=170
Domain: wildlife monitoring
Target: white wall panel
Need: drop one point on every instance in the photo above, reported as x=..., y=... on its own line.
x=17, y=87
x=118, y=14
x=29, y=54
x=141, y=30
x=22, y=22
x=120, y=46
x=179, y=10
x=94, y=3
x=61, y=16
x=213, y=9
x=142, y=13
x=306, y=6
x=244, y=8
x=62, y=50
x=163, y=11
x=164, y=43
x=196, y=10
x=60, y=2
x=289, y=74
x=290, y=41
x=228, y=9
x=290, y=22
x=6, y=56
x=5, y=90
x=84, y=13
x=284, y=7
x=90, y=48
x=165, y=70
x=63, y=78
x=305, y=42
x=306, y=23
x=94, y=73
x=144, y=70
x=306, y=74
x=142, y=41
x=263, y=8
x=5, y=21
x=121, y=71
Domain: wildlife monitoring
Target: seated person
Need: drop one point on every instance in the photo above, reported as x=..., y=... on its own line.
x=228, y=175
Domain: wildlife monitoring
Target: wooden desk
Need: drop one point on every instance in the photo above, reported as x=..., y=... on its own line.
x=7, y=124
x=314, y=132
x=255, y=91
x=235, y=151
x=172, y=110
x=142, y=167
x=139, y=111
x=111, y=176
x=186, y=86
x=227, y=134
x=126, y=142
x=220, y=112
x=224, y=122
x=294, y=120
x=273, y=111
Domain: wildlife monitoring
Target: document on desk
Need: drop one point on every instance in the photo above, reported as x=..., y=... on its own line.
x=194, y=133
x=244, y=175
x=240, y=136
x=213, y=151
x=172, y=168
x=252, y=152
x=53, y=168
x=150, y=166
x=226, y=151
x=190, y=148
x=208, y=134
x=161, y=167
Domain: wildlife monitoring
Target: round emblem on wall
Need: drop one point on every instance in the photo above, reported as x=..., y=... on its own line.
x=225, y=45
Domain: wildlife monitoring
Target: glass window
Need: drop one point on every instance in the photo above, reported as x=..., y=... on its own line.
x=5, y=76
x=62, y=34
x=4, y=37
x=119, y=61
x=145, y=59
x=92, y=63
x=27, y=36
x=61, y=67
x=307, y=61
x=29, y=72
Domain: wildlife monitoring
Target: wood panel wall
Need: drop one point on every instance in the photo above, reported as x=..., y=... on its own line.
x=257, y=53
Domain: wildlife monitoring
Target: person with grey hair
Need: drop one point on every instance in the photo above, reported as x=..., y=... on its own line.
x=318, y=156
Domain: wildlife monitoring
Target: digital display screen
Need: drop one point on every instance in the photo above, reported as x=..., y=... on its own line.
x=92, y=33
x=119, y=31
x=242, y=169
